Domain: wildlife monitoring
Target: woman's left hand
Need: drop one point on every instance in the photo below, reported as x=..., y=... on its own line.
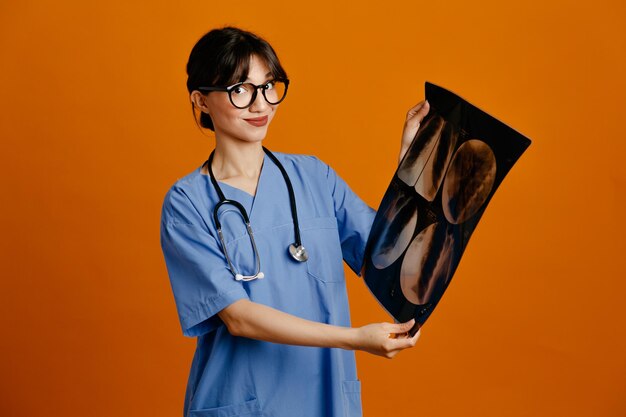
x=414, y=117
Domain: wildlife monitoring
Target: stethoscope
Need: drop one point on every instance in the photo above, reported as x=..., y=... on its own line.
x=296, y=250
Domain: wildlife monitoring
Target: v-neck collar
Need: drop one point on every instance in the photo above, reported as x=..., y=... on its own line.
x=249, y=201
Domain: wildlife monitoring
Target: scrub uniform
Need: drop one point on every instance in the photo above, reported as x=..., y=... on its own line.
x=233, y=376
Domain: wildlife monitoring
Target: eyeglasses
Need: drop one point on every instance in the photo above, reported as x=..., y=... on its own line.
x=242, y=95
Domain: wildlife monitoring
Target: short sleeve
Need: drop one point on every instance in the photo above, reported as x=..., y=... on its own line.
x=354, y=220
x=201, y=281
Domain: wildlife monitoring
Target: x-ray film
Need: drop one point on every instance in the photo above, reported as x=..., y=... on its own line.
x=454, y=165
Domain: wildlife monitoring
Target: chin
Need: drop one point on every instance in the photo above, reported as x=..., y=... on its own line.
x=256, y=138
x=248, y=134
x=256, y=135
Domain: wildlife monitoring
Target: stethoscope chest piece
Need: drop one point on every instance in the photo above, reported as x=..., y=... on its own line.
x=298, y=253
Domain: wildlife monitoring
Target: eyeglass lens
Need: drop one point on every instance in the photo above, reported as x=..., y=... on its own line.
x=243, y=95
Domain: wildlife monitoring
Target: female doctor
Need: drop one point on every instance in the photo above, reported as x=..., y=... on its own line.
x=267, y=303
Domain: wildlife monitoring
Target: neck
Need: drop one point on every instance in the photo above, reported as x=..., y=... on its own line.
x=237, y=160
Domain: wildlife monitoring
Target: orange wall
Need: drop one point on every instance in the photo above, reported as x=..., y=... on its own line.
x=95, y=126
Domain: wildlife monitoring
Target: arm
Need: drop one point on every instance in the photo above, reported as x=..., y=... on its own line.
x=256, y=321
x=414, y=117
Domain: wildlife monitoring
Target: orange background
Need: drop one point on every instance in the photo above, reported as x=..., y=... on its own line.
x=96, y=126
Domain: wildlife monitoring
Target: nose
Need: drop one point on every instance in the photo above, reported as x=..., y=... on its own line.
x=259, y=104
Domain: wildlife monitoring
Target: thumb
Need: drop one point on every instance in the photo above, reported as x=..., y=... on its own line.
x=404, y=327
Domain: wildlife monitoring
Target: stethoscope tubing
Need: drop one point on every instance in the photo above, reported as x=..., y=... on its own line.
x=297, y=251
x=292, y=197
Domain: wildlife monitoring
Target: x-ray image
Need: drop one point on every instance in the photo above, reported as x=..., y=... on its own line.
x=454, y=165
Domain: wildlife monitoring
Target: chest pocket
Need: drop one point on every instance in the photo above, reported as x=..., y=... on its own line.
x=320, y=237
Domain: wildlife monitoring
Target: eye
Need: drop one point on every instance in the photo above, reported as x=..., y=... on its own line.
x=241, y=89
x=270, y=85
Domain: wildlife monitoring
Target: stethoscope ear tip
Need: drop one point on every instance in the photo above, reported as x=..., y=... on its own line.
x=238, y=277
x=260, y=275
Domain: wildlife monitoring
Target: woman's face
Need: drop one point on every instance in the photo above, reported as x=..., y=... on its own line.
x=249, y=124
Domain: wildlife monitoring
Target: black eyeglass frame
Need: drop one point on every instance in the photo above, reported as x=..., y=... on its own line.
x=263, y=86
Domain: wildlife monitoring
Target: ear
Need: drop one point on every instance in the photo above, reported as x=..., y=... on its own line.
x=199, y=100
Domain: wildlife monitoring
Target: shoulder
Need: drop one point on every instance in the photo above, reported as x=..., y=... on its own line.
x=302, y=163
x=181, y=201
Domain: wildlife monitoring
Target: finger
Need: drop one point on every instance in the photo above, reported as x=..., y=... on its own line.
x=417, y=113
x=398, y=330
x=392, y=354
x=416, y=336
x=402, y=327
x=415, y=108
x=404, y=343
x=399, y=345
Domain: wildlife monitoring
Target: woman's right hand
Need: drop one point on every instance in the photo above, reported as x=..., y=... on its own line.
x=385, y=339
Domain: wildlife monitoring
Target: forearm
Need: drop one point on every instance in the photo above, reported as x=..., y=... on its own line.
x=257, y=321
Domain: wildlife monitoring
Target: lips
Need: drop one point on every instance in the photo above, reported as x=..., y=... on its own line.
x=257, y=121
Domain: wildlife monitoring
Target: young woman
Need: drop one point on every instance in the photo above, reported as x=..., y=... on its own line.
x=267, y=302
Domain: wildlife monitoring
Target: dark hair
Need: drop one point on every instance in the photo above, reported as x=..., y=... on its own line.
x=222, y=57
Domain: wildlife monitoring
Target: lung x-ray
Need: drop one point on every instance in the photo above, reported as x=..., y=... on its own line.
x=458, y=158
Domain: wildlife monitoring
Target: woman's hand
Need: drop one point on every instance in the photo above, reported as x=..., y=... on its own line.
x=414, y=117
x=385, y=339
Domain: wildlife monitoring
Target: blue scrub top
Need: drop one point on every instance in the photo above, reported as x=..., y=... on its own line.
x=232, y=376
